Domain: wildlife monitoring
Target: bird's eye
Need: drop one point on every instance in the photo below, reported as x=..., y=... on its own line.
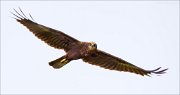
x=94, y=45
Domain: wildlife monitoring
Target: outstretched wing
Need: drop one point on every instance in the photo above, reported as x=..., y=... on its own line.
x=52, y=37
x=111, y=62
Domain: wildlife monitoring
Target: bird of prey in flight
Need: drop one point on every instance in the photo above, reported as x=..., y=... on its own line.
x=75, y=49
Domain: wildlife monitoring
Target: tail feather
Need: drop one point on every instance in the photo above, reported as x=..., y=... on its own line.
x=58, y=63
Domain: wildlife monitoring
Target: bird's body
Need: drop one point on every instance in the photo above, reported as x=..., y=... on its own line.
x=75, y=49
x=78, y=51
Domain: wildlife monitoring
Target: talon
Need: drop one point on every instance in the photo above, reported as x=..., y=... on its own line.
x=66, y=61
x=63, y=60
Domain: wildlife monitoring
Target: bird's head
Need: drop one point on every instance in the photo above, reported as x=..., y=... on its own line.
x=92, y=46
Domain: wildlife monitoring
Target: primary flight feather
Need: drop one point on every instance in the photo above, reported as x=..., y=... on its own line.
x=75, y=49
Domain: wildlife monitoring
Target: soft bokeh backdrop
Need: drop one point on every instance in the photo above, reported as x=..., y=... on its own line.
x=145, y=33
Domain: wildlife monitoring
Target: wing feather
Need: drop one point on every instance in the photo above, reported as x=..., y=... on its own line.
x=111, y=62
x=52, y=37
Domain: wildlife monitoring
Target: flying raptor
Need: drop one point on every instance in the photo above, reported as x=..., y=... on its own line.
x=75, y=49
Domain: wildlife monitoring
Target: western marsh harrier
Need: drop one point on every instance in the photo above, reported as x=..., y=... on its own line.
x=75, y=49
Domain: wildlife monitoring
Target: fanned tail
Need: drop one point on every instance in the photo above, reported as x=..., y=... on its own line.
x=58, y=63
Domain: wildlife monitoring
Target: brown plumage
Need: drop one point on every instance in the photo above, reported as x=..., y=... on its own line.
x=75, y=49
